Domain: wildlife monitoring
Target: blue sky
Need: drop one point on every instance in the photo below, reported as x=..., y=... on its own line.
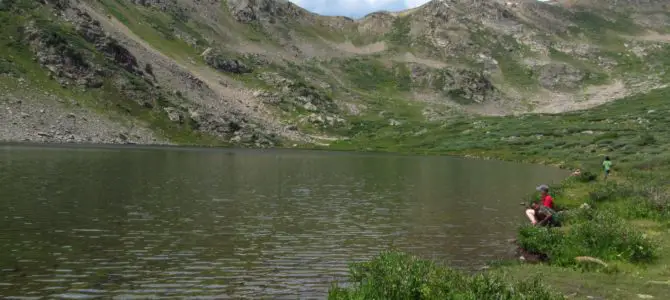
x=355, y=8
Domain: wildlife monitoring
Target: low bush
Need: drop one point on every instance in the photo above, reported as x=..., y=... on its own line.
x=586, y=176
x=595, y=233
x=609, y=191
x=397, y=275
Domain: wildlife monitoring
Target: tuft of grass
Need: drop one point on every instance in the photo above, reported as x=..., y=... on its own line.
x=396, y=275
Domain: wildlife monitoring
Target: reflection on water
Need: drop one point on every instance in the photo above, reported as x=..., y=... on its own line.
x=138, y=223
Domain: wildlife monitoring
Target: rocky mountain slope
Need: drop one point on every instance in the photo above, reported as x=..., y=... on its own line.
x=265, y=73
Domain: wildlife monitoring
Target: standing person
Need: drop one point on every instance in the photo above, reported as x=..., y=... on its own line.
x=607, y=165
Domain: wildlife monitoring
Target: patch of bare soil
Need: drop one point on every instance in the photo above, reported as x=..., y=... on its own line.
x=551, y=102
x=410, y=58
x=653, y=36
x=361, y=50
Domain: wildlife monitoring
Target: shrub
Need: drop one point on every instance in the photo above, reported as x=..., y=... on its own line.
x=7, y=67
x=609, y=191
x=646, y=140
x=586, y=176
x=397, y=275
x=599, y=234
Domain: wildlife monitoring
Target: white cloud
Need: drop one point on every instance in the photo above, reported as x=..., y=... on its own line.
x=356, y=8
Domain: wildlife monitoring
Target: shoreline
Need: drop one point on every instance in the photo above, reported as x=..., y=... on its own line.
x=234, y=149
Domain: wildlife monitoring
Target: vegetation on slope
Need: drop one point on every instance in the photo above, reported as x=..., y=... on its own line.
x=122, y=91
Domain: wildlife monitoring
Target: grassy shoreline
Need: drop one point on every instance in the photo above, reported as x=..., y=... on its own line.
x=621, y=278
x=627, y=225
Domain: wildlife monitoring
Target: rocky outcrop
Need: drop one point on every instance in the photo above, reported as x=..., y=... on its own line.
x=55, y=52
x=462, y=85
x=217, y=60
x=296, y=94
x=93, y=33
x=234, y=128
x=555, y=76
x=264, y=11
x=171, y=7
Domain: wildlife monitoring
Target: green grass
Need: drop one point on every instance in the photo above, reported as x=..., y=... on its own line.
x=515, y=73
x=395, y=275
x=597, y=24
x=156, y=29
x=370, y=74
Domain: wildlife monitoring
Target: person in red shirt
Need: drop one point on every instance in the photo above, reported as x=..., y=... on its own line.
x=546, y=199
x=542, y=210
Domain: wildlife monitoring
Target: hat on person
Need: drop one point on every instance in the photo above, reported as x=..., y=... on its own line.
x=543, y=187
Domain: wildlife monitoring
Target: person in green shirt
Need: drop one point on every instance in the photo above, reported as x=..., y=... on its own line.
x=607, y=164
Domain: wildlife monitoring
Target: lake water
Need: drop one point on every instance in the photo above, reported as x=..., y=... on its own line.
x=232, y=224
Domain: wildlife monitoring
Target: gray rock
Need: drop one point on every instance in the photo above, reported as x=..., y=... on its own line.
x=292, y=127
x=173, y=114
x=559, y=75
x=219, y=61
x=310, y=107
x=461, y=85
x=263, y=11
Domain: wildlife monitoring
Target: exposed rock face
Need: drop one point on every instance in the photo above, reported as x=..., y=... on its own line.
x=376, y=23
x=265, y=11
x=92, y=31
x=461, y=85
x=218, y=61
x=558, y=75
x=297, y=94
x=64, y=61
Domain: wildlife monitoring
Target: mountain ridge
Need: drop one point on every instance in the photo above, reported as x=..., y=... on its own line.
x=263, y=73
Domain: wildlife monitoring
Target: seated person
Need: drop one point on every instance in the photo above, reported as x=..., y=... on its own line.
x=540, y=214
